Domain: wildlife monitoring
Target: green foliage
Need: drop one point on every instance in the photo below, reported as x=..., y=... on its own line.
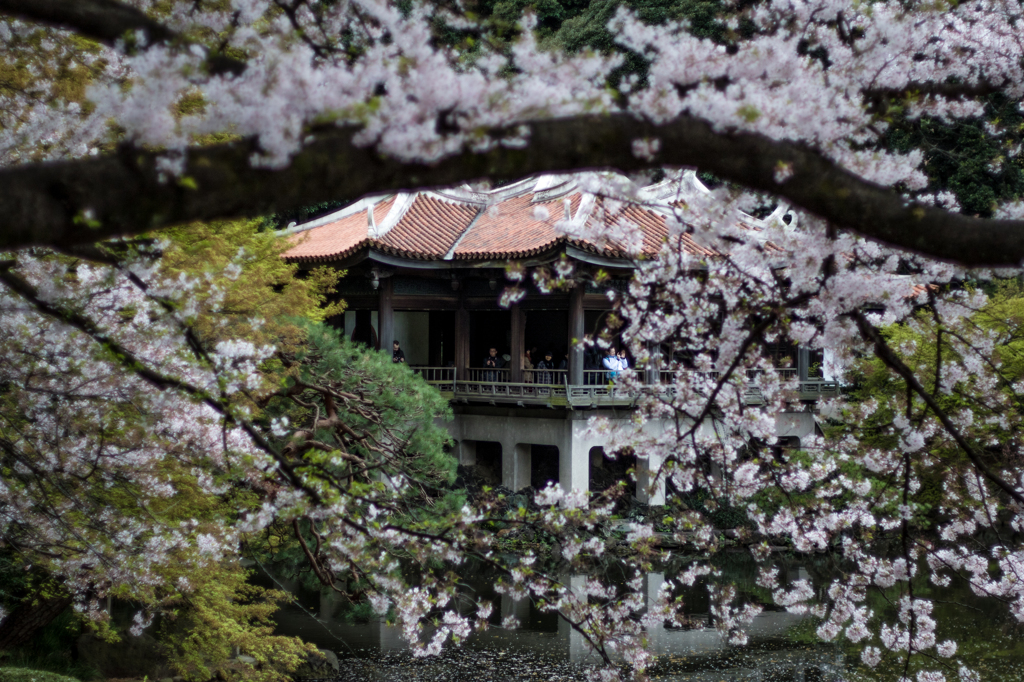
x=214, y=609
x=976, y=159
x=14, y=579
x=402, y=403
x=227, y=614
x=279, y=221
x=266, y=287
x=926, y=346
x=363, y=429
x=721, y=515
x=1004, y=315
x=585, y=26
x=577, y=25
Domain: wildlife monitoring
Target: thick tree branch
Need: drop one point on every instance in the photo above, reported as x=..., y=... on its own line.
x=104, y=20
x=70, y=203
x=108, y=21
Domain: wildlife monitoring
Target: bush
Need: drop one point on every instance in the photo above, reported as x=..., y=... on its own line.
x=26, y=675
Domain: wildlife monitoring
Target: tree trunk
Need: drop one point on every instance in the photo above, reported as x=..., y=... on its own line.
x=18, y=628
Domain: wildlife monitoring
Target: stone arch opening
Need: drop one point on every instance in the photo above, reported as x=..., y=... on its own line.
x=784, y=446
x=543, y=465
x=484, y=463
x=607, y=469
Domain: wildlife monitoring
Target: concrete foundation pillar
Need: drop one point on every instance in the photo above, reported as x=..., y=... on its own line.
x=391, y=639
x=519, y=608
x=330, y=601
x=515, y=465
x=578, y=649
x=655, y=631
x=649, y=490
x=466, y=452
x=574, y=458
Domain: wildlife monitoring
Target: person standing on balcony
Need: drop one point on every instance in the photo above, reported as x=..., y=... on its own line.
x=611, y=362
x=492, y=361
x=527, y=367
x=397, y=354
x=547, y=363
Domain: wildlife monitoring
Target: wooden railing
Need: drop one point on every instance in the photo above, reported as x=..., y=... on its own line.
x=600, y=377
x=508, y=392
x=600, y=387
x=441, y=377
x=550, y=377
x=488, y=374
x=436, y=374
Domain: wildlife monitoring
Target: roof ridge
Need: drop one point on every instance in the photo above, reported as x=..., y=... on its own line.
x=474, y=198
x=341, y=213
x=511, y=191
x=403, y=201
x=552, y=193
x=450, y=255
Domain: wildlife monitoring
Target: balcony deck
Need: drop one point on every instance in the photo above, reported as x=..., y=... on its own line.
x=548, y=388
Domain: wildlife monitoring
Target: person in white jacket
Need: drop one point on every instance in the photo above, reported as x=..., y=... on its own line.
x=611, y=362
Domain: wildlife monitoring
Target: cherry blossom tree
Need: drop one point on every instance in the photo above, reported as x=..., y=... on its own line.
x=201, y=110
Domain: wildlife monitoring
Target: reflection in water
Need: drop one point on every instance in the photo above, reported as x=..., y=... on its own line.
x=783, y=646
x=546, y=645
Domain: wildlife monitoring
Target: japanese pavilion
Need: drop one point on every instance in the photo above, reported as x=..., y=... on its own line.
x=428, y=268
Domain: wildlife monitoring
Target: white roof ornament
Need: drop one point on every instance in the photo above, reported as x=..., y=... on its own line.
x=403, y=202
x=550, y=187
x=779, y=216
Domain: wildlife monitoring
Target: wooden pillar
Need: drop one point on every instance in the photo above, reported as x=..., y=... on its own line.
x=803, y=362
x=576, y=334
x=518, y=344
x=461, y=343
x=385, y=315
x=653, y=369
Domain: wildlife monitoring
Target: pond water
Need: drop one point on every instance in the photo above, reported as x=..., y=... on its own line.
x=782, y=646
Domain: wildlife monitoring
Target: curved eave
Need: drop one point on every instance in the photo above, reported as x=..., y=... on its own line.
x=329, y=258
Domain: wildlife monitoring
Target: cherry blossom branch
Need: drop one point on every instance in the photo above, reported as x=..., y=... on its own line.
x=160, y=381
x=69, y=203
x=891, y=360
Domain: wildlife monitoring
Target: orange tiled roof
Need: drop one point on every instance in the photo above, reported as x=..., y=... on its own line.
x=337, y=238
x=512, y=229
x=504, y=223
x=429, y=228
